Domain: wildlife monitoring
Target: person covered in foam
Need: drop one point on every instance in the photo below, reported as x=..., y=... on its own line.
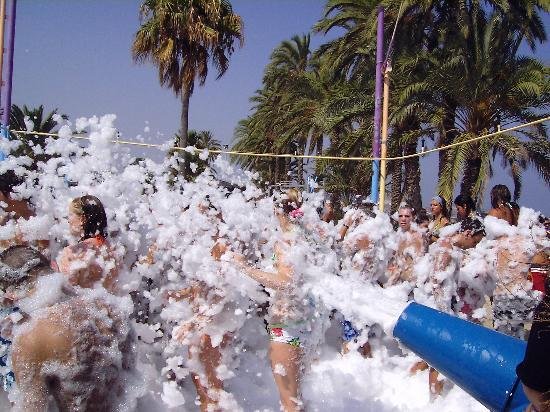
x=410, y=247
x=71, y=347
x=291, y=313
x=15, y=213
x=93, y=259
x=514, y=248
x=363, y=258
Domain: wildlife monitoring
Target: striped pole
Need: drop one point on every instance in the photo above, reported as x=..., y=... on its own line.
x=6, y=101
x=377, y=105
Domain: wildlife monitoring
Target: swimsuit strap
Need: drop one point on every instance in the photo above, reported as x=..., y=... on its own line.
x=99, y=240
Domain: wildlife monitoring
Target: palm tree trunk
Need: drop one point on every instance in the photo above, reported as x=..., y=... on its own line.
x=448, y=131
x=277, y=170
x=396, y=181
x=412, y=177
x=301, y=150
x=270, y=170
x=184, y=124
x=471, y=174
x=320, y=146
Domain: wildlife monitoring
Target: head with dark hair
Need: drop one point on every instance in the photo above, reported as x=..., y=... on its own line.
x=422, y=218
x=464, y=205
x=88, y=217
x=500, y=195
x=20, y=264
x=8, y=180
x=438, y=206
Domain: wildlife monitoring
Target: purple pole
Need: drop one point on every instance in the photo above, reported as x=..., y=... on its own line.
x=377, y=105
x=6, y=106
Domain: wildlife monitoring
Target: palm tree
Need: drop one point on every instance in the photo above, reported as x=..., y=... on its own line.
x=502, y=89
x=203, y=139
x=267, y=128
x=182, y=37
x=352, y=54
x=32, y=120
x=480, y=86
x=428, y=40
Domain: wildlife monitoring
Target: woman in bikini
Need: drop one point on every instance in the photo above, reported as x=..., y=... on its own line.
x=288, y=324
x=93, y=259
x=440, y=218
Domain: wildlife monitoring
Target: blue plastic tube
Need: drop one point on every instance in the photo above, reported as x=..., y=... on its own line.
x=479, y=360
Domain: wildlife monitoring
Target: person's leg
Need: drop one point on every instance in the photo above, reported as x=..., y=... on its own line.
x=366, y=350
x=436, y=386
x=286, y=363
x=210, y=358
x=209, y=383
x=418, y=367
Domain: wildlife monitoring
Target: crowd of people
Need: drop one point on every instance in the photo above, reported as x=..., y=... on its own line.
x=181, y=268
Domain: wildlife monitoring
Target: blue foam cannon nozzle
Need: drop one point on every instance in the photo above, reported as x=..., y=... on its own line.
x=479, y=360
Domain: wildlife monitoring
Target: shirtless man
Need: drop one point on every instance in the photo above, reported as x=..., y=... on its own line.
x=358, y=257
x=410, y=246
x=514, y=298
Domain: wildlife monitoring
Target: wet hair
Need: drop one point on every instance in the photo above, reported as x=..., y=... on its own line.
x=407, y=206
x=21, y=263
x=465, y=201
x=230, y=187
x=93, y=215
x=291, y=201
x=443, y=203
x=500, y=194
x=422, y=217
x=8, y=180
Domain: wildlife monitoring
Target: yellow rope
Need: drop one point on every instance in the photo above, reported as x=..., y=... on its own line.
x=252, y=154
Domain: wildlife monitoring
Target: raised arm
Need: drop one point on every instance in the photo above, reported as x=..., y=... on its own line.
x=274, y=280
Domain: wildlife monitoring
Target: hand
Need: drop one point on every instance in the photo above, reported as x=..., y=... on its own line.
x=181, y=294
x=6, y=327
x=181, y=332
x=239, y=259
x=218, y=250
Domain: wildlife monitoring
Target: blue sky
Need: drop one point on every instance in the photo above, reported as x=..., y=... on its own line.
x=75, y=56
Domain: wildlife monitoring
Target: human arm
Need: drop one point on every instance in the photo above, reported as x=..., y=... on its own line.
x=149, y=258
x=466, y=240
x=328, y=212
x=219, y=248
x=343, y=231
x=274, y=280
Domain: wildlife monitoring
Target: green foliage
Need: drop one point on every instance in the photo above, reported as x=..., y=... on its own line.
x=32, y=145
x=203, y=139
x=456, y=75
x=183, y=38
